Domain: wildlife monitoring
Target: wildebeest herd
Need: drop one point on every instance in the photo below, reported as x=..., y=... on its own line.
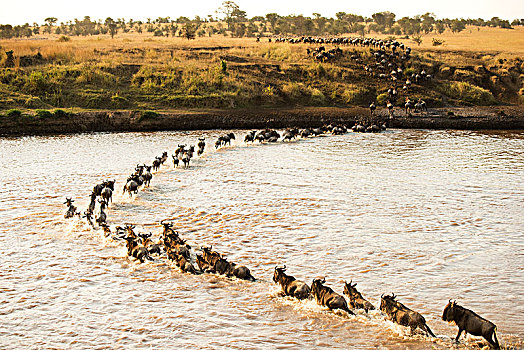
x=171, y=246
x=386, y=60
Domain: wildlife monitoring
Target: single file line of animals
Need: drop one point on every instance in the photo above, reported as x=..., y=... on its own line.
x=171, y=246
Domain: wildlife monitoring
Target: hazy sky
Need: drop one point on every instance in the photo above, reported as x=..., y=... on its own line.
x=22, y=11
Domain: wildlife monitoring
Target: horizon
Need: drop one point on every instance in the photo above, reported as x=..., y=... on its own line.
x=32, y=11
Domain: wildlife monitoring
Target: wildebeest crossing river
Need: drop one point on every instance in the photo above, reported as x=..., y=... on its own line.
x=428, y=215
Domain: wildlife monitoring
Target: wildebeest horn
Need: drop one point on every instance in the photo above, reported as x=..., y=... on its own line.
x=324, y=280
x=382, y=296
x=284, y=268
x=393, y=296
x=450, y=301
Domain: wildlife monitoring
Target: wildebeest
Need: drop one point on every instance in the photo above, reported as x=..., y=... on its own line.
x=399, y=313
x=71, y=209
x=147, y=175
x=469, y=322
x=421, y=106
x=203, y=265
x=325, y=296
x=372, y=107
x=222, y=266
x=176, y=161
x=101, y=219
x=225, y=140
x=201, y=145
x=107, y=191
x=408, y=106
x=156, y=163
x=290, y=286
x=250, y=137
x=136, y=250
x=356, y=300
x=131, y=186
x=182, y=262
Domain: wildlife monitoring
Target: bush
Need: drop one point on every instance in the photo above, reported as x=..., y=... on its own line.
x=382, y=99
x=468, y=93
x=43, y=113
x=437, y=42
x=64, y=39
x=317, y=97
x=59, y=113
x=14, y=113
x=148, y=115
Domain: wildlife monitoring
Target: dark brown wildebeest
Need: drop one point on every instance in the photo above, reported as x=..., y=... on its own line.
x=469, y=322
x=222, y=266
x=399, y=313
x=290, y=286
x=203, y=265
x=325, y=296
x=182, y=262
x=356, y=300
x=135, y=250
x=71, y=209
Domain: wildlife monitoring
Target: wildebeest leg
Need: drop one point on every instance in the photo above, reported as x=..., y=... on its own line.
x=458, y=335
x=494, y=342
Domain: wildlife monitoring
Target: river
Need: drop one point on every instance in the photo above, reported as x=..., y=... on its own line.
x=428, y=215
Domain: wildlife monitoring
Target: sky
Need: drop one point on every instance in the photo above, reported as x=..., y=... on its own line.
x=29, y=11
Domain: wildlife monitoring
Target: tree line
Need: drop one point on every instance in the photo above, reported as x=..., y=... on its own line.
x=229, y=19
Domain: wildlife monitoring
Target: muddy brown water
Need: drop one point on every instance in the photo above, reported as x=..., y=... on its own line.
x=428, y=215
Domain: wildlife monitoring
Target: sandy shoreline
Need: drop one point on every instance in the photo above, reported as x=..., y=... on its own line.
x=467, y=118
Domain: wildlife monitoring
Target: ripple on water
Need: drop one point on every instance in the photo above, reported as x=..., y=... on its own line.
x=429, y=215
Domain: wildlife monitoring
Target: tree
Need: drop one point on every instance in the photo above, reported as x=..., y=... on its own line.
x=417, y=39
x=272, y=18
x=112, y=26
x=385, y=18
x=189, y=30
x=231, y=12
x=457, y=26
x=50, y=22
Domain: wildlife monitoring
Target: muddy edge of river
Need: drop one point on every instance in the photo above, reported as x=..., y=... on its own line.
x=459, y=118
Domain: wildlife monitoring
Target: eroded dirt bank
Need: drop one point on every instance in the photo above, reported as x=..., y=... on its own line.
x=471, y=118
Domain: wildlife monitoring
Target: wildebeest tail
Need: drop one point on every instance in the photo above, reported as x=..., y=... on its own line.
x=430, y=331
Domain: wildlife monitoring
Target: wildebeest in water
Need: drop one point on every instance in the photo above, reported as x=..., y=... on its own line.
x=469, y=322
x=290, y=286
x=401, y=314
x=325, y=296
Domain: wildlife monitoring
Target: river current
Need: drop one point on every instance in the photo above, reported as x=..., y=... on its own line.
x=428, y=215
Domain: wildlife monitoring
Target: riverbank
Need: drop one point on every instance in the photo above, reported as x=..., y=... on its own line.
x=470, y=118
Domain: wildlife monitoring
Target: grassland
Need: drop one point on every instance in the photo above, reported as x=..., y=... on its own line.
x=141, y=72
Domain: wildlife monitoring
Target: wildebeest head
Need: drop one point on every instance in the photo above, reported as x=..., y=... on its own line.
x=388, y=304
x=279, y=272
x=317, y=285
x=351, y=291
x=69, y=201
x=449, y=311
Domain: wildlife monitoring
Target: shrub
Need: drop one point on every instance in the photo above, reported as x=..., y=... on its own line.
x=382, y=99
x=118, y=100
x=355, y=95
x=148, y=115
x=43, y=113
x=14, y=113
x=437, y=42
x=60, y=113
x=467, y=92
x=293, y=90
x=317, y=97
x=64, y=39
